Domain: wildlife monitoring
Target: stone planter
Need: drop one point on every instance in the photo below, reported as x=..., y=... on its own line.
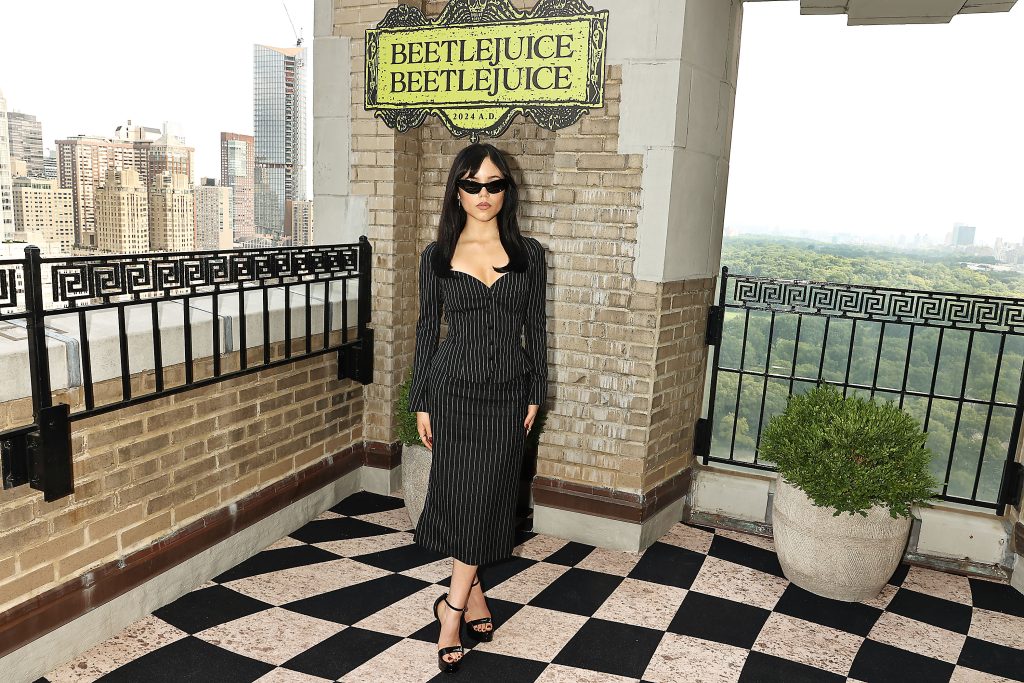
x=849, y=557
x=416, y=461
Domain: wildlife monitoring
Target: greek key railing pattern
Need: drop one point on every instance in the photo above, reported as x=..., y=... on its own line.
x=138, y=277
x=11, y=305
x=965, y=311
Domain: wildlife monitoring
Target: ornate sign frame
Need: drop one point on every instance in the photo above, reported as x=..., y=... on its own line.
x=558, y=71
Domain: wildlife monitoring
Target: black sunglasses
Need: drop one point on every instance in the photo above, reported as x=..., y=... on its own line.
x=473, y=187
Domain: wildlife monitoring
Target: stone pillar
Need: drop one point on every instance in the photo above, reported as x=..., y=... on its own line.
x=629, y=202
x=364, y=182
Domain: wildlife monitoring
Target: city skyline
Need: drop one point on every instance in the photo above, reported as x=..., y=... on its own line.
x=213, y=67
x=869, y=130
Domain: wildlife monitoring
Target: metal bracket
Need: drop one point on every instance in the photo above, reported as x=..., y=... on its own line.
x=1013, y=483
x=702, y=439
x=713, y=330
x=49, y=454
x=13, y=451
x=356, y=361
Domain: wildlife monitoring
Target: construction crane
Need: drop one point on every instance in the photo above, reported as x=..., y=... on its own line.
x=298, y=34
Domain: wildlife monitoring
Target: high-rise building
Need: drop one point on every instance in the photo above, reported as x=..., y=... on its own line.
x=122, y=213
x=237, y=170
x=171, y=213
x=25, y=133
x=963, y=235
x=298, y=222
x=44, y=213
x=84, y=162
x=214, y=207
x=6, y=186
x=50, y=164
x=279, y=125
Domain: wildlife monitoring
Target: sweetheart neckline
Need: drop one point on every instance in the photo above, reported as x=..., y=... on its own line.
x=488, y=286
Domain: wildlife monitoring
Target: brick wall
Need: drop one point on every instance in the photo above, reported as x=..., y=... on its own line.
x=145, y=471
x=625, y=355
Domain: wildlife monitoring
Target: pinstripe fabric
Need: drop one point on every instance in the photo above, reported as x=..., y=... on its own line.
x=476, y=386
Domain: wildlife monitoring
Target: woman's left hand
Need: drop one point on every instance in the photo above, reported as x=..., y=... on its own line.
x=531, y=413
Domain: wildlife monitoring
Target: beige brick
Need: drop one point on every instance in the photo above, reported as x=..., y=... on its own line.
x=115, y=522
x=51, y=550
x=25, y=585
x=91, y=554
x=149, y=530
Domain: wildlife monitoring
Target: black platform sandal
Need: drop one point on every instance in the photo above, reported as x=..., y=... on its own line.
x=444, y=665
x=479, y=636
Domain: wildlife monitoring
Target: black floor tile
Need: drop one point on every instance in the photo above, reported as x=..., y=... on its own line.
x=880, y=663
x=897, y=576
x=994, y=659
x=352, y=603
x=945, y=614
x=745, y=554
x=852, y=617
x=189, y=660
x=338, y=529
x=275, y=560
x=490, y=666
x=401, y=558
x=577, y=591
x=493, y=574
x=365, y=502
x=669, y=565
x=202, y=609
x=611, y=647
x=997, y=597
x=762, y=668
x=342, y=652
x=709, y=529
x=571, y=553
x=719, y=620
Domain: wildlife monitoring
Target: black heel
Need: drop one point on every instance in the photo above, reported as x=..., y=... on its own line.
x=478, y=636
x=446, y=666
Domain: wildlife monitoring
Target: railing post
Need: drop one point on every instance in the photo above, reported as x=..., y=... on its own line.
x=38, y=361
x=357, y=362
x=49, y=447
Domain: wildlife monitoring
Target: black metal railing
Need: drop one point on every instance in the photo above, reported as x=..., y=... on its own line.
x=954, y=361
x=78, y=288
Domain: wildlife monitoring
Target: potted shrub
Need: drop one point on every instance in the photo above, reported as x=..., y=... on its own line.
x=415, y=456
x=850, y=469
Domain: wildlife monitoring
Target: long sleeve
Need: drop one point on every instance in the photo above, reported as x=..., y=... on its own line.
x=428, y=329
x=536, y=327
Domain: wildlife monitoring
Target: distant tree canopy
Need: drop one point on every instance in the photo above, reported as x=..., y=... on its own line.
x=788, y=257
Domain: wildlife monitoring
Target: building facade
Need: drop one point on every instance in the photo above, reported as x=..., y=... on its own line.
x=6, y=187
x=83, y=162
x=44, y=213
x=237, y=171
x=171, y=213
x=298, y=222
x=122, y=213
x=279, y=124
x=214, y=215
x=25, y=134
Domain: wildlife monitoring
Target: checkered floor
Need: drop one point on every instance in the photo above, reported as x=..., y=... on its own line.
x=348, y=598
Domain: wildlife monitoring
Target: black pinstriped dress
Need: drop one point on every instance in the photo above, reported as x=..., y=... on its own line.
x=476, y=386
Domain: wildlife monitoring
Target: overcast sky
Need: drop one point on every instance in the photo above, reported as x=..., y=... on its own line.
x=879, y=129
x=870, y=130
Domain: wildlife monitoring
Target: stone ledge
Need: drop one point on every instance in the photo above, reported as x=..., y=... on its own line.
x=605, y=502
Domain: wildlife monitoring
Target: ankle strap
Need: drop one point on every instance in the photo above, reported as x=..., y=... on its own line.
x=475, y=582
x=450, y=605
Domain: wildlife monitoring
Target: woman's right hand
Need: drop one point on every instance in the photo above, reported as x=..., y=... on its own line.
x=423, y=427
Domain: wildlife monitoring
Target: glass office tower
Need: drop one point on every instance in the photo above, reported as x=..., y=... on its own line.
x=279, y=126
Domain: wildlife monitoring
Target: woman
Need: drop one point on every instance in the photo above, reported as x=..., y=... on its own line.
x=477, y=394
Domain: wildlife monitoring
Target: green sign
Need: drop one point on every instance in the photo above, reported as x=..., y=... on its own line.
x=481, y=62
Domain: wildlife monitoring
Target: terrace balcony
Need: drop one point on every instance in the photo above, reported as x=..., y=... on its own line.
x=202, y=473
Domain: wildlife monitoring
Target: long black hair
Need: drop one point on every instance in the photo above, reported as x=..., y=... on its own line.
x=453, y=216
